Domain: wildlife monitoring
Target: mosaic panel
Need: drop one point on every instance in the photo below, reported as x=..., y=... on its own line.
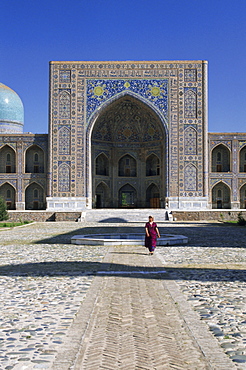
x=64, y=178
x=190, y=178
x=65, y=76
x=214, y=143
x=190, y=103
x=7, y=180
x=155, y=91
x=213, y=182
x=190, y=138
x=190, y=75
x=228, y=182
x=241, y=182
x=64, y=104
x=64, y=140
x=242, y=144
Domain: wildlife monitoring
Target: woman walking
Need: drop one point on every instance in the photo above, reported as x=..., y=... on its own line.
x=151, y=233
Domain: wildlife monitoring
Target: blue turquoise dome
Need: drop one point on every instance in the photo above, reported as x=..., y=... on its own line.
x=11, y=111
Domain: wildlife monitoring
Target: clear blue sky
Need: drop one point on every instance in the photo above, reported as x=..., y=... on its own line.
x=35, y=32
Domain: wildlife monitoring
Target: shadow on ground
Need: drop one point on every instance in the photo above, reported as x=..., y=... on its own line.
x=199, y=234
x=117, y=220
x=83, y=268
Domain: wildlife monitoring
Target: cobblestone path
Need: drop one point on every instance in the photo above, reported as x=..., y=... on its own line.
x=69, y=307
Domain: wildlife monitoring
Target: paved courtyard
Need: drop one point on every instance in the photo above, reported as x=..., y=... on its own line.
x=65, y=306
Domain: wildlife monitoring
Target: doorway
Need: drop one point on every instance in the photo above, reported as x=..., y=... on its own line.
x=128, y=139
x=127, y=197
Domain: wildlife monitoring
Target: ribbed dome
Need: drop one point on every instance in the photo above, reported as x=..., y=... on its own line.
x=11, y=111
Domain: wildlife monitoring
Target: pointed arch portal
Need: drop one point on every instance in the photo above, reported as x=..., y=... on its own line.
x=128, y=133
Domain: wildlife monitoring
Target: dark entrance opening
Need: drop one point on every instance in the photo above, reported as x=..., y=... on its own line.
x=128, y=146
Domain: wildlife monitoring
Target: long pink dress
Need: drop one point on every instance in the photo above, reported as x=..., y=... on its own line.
x=150, y=241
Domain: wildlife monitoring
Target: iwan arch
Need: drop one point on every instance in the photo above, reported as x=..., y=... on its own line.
x=128, y=155
x=128, y=134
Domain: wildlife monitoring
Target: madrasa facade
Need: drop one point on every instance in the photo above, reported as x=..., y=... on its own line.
x=121, y=135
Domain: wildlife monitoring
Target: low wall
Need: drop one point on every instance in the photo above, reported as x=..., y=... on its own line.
x=42, y=216
x=211, y=215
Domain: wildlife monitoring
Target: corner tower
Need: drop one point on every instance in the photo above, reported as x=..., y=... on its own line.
x=128, y=134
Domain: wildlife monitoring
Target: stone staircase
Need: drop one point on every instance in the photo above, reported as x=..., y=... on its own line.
x=125, y=215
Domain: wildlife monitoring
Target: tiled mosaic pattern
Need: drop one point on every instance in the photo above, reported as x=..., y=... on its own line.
x=64, y=140
x=65, y=76
x=64, y=177
x=190, y=178
x=153, y=91
x=190, y=140
x=190, y=75
x=64, y=105
x=190, y=105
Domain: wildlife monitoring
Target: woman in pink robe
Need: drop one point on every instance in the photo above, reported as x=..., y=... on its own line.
x=151, y=234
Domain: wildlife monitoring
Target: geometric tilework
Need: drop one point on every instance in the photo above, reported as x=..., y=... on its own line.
x=241, y=143
x=64, y=178
x=190, y=104
x=64, y=141
x=190, y=137
x=214, y=143
x=64, y=105
x=190, y=75
x=99, y=91
x=190, y=178
x=65, y=76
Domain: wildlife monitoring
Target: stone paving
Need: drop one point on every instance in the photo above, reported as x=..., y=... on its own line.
x=58, y=311
x=213, y=279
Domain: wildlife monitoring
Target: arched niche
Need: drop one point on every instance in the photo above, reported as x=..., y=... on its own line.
x=243, y=196
x=221, y=158
x=7, y=160
x=128, y=130
x=127, y=196
x=34, y=197
x=153, y=196
x=34, y=160
x=152, y=165
x=8, y=193
x=127, y=166
x=102, y=198
x=242, y=160
x=102, y=165
x=221, y=196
